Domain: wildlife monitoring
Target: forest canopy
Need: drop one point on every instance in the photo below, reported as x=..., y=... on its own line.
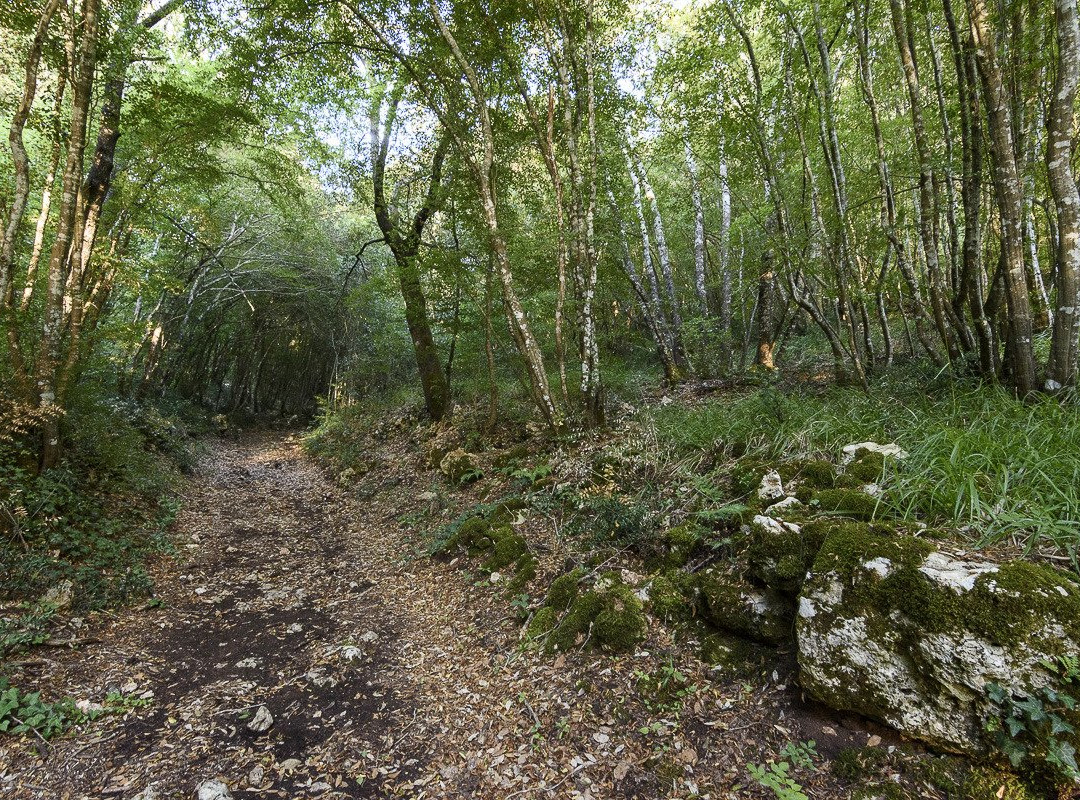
x=252, y=206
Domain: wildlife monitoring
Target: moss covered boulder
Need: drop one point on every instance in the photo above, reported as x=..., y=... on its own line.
x=732, y=603
x=459, y=466
x=780, y=553
x=892, y=627
x=608, y=615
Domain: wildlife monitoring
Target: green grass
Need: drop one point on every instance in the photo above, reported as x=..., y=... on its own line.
x=978, y=457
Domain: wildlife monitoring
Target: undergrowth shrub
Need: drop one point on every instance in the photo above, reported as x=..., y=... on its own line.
x=95, y=518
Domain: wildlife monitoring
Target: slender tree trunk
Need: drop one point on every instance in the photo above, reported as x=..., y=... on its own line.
x=483, y=173
x=699, y=231
x=1061, y=371
x=1009, y=192
x=48, y=361
x=724, y=249
x=928, y=237
x=405, y=248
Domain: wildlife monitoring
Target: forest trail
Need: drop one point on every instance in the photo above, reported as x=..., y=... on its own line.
x=385, y=675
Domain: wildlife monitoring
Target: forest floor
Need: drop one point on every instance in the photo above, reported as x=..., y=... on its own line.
x=386, y=674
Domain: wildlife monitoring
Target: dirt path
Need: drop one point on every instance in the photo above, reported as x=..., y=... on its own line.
x=384, y=676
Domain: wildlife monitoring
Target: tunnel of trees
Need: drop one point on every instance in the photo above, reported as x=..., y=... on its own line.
x=253, y=206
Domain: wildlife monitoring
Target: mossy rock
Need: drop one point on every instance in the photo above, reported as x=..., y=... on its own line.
x=507, y=548
x=543, y=622
x=986, y=782
x=815, y=473
x=732, y=603
x=524, y=572
x=746, y=476
x=849, y=503
x=459, y=466
x=507, y=511
x=733, y=656
x=868, y=466
x=893, y=628
x=609, y=616
x=779, y=554
x=563, y=590
x=474, y=534
x=670, y=598
x=674, y=548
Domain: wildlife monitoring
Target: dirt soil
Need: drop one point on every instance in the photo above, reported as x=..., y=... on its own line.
x=386, y=674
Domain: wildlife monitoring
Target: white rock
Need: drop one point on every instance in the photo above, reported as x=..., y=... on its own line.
x=771, y=487
x=369, y=637
x=255, y=777
x=960, y=576
x=787, y=504
x=262, y=720
x=213, y=790
x=867, y=651
x=848, y=451
x=776, y=526
x=149, y=793
x=59, y=596
x=296, y=627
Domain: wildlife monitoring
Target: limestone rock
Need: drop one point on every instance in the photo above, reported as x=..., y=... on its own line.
x=733, y=604
x=262, y=720
x=457, y=464
x=892, y=628
x=891, y=450
x=771, y=488
x=213, y=790
x=780, y=553
x=59, y=597
x=785, y=506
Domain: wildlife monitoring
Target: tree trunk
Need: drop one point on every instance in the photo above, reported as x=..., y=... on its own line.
x=1061, y=370
x=48, y=361
x=405, y=248
x=1009, y=195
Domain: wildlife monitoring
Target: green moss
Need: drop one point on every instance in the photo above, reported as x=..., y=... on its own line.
x=945, y=773
x=621, y=622
x=867, y=467
x=543, y=622
x=575, y=622
x=734, y=656
x=674, y=548
x=984, y=782
x=731, y=603
x=610, y=615
x=507, y=547
x=473, y=534
x=781, y=560
x=506, y=511
x=667, y=599
x=848, y=502
x=563, y=590
x=524, y=571
x=817, y=474
x=859, y=763
x=1004, y=607
x=746, y=475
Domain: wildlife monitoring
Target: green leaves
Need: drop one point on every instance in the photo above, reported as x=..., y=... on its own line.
x=1035, y=728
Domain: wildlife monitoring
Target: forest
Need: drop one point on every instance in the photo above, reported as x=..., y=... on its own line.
x=552, y=399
